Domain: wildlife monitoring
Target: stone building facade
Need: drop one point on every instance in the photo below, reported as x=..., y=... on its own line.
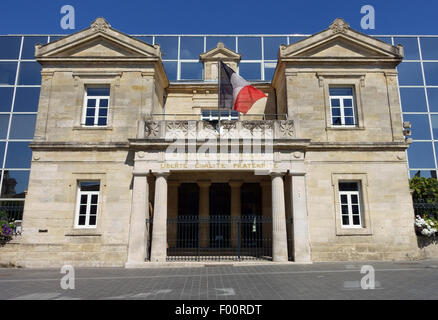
x=319, y=164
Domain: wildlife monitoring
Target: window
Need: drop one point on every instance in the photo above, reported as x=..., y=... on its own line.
x=88, y=199
x=342, y=106
x=349, y=196
x=213, y=115
x=96, y=106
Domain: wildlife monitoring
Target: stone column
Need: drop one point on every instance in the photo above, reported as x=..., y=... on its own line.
x=300, y=219
x=236, y=210
x=172, y=205
x=279, y=235
x=139, y=212
x=266, y=208
x=204, y=212
x=159, y=228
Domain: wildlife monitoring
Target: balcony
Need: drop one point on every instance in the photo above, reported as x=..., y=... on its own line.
x=167, y=127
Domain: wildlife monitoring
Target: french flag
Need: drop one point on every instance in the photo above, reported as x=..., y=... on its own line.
x=235, y=92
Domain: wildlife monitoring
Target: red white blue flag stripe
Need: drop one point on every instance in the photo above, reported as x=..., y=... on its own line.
x=235, y=92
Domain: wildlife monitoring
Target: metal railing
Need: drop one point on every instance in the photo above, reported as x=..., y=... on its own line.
x=219, y=238
x=426, y=207
x=12, y=209
x=193, y=116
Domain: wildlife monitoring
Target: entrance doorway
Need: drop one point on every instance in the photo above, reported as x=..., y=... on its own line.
x=188, y=215
x=252, y=224
x=220, y=212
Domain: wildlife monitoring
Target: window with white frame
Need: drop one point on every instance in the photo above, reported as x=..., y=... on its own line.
x=213, y=115
x=342, y=106
x=87, y=204
x=96, y=106
x=350, y=201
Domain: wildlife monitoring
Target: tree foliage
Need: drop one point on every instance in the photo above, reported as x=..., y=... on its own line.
x=424, y=189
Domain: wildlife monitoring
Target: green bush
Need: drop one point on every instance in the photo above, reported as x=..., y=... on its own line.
x=424, y=189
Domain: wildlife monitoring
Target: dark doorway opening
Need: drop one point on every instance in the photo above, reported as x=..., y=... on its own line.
x=251, y=228
x=220, y=212
x=188, y=214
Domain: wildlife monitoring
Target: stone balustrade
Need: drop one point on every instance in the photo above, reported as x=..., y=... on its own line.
x=195, y=129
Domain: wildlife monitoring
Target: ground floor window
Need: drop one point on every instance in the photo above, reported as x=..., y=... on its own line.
x=88, y=200
x=350, y=200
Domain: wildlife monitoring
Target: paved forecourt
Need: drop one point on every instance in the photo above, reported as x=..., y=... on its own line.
x=393, y=280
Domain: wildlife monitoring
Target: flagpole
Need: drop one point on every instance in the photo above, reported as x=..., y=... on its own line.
x=219, y=88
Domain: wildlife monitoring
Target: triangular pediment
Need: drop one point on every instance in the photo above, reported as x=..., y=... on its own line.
x=341, y=42
x=340, y=47
x=99, y=41
x=220, y=52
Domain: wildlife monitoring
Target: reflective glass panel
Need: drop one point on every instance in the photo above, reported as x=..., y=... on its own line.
x=410, y=74
x=191, y=70
x=432, y=95
x=169, y=47
x=250, y=71
x=6, y=99
x=26, y=99
x=434, y=121
x=171, y=69
x=30, y=73
x=10, y=47
x=250, y=48
x=420, y=155
x=191, y=47
x=18, y=155
x=413, y=99
x=431, y=73
x=14, y=183
x=410, y=46
x=29, y=46
x=423, y=173
x=4, y=124
x=429, y=48
x=271, y=45
x=22, y=126
x=420, y=126
x=229, y=42
x=270, y=70
x=2, y=153
x=8, y=70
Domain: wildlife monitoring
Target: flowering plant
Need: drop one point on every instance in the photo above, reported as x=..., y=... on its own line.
x=426, y=226
x=6, y=229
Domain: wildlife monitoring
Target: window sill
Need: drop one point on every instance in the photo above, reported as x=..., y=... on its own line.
x=344, y=128
x=354, y=232
x=83, y=233
x=93, y=128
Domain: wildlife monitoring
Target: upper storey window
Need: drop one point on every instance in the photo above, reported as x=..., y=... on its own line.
x=342, y=106
x=96, y=106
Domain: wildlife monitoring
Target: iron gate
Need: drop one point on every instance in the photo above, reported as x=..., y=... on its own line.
x=217, y=238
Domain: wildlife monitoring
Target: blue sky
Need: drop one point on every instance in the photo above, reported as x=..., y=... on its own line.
x=219, y=16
